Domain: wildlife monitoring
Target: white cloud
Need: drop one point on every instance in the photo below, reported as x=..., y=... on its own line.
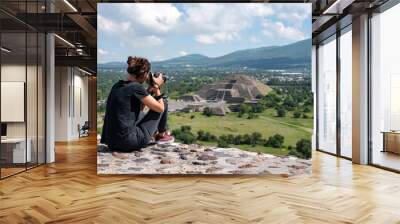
x=215, y=18
x=156, y=17
x=212, y=23
x=140, y=25
x=102, y=52
x=129, y=38
x=183, y=53
x=109, y=25
x=216, y=37
x=257, y=9
x=267, y=33
x=294, y=14
x=146, y=41
x=159, y=58
x=254, y=39
x=205, y=39
x=282, y=31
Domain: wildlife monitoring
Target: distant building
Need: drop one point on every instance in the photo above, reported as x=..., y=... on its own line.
x=226, y=95
x=195, y=107
x=234, y=89
x=190, y=98
x=220, y=110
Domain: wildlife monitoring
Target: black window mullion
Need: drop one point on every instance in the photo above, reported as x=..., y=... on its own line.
x=369, y=90
x=45, y=88
x=26, y=87
x=317, y=97
x=37, y=90
x=1, y=165
x=338, y=76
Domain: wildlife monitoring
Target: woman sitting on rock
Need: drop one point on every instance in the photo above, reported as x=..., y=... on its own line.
x=122, y=131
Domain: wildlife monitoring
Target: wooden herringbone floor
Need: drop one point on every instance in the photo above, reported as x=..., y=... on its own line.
x=69, y=191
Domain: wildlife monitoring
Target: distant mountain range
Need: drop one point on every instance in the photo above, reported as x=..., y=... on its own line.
x=293, y=56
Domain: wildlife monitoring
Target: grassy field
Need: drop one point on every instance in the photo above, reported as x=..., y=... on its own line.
x=293, y=129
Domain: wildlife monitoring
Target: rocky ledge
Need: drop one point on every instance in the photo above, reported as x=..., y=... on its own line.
x=177, y=158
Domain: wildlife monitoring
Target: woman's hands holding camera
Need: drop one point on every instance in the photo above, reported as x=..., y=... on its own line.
x=159, y=80
x=154, y=90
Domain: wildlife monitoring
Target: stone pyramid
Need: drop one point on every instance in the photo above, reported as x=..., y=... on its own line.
x=234, y=89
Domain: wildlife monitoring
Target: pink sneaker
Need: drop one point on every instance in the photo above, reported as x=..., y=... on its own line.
x=164, y=139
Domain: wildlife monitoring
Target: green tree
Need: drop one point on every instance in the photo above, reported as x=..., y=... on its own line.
x=237, y=140
x=252, y=115
x=246, y=139
x=257, y=108
x=303, y=146
x=271, y=100
x=184, y=134
x=230, y=138
x=222, y=144
x=176, y=133
x=223, y=138
x=187, y=137
x=275, y=141
x=289, y=103
x=245, y=108
x=297, y=114
x=309, y=101
x=280, y=112
x=200, y=134
x=255, y=137
x=306, y=110
x=186, y=128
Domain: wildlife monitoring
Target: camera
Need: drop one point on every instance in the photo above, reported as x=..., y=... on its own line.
x=156, y=75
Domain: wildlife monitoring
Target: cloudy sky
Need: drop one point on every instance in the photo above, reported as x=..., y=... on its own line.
x=163, y=31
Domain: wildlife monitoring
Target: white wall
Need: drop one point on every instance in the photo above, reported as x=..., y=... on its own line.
x=70, y=84
x=61, y=103
x=80, y=89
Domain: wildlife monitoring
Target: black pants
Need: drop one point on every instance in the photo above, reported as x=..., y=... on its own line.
x=153, y=122
x=144, y=130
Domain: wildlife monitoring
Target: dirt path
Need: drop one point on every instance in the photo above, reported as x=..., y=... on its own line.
x=309, y=130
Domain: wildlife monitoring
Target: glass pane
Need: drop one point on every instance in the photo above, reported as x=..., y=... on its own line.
x=32, y=98
x=41, y=98
x=13, y=86
x=346, y=94
x=327, y=96
x=385, y=115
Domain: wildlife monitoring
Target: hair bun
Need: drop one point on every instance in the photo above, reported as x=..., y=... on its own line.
x=130, y=58
x=137, y=65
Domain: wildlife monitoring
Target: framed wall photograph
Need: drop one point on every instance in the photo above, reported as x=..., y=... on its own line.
x=204, y=88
